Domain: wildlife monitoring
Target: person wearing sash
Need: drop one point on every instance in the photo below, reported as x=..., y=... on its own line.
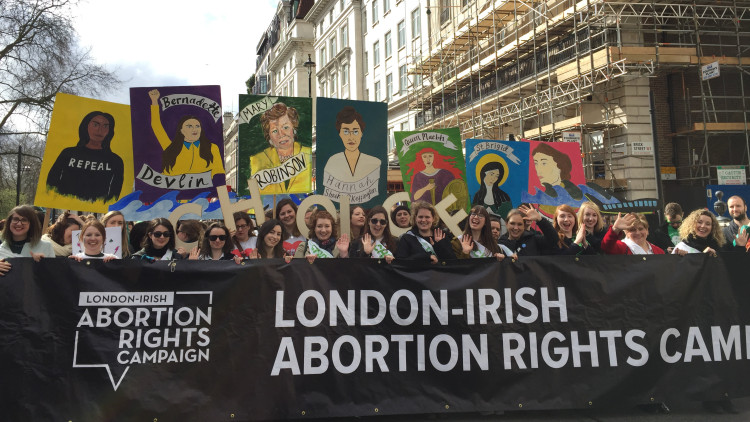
x=286, y=213
x=635, y=227
x=590, y=218
x=476, y=240
x=322, y=241
x=700, y=232
x=92, y=238
x=22, y=237
x=377, y=241
x=159, y=242
x=243, y=239
x=216, y=245
x=424, y=241
x=525, y=242
x=567, y=226
x=270, y=243
x=357, y=218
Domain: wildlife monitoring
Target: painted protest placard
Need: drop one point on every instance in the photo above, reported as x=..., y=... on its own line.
x=432, y=165
x=178, y=141
x=351, y=150
x=88, y=160
x=275, y=144
x=497, y=174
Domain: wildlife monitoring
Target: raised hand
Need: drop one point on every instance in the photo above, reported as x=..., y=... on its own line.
x=343, y=246
x=529, y=213
x=742, y=237
x=154, y=95
x=466, y=244
x=438, y=235
x=194, y=253
x=623, y=222
x=367, y=244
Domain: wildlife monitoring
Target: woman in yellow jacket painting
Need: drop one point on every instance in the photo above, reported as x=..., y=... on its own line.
x=189, y=151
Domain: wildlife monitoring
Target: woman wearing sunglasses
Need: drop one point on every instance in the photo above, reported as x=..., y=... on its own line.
x=216, y=245
x=376, y=241
x=159, y=242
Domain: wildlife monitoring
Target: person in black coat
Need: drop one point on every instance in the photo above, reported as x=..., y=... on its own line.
x=424, y=241
x=527, y=242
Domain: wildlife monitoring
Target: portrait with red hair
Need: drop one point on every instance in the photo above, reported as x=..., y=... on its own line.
x=429, y=174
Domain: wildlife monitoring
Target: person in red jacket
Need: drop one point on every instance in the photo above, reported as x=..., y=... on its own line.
x=635, y=227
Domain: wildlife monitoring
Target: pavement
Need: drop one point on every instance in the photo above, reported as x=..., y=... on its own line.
x=687, y=412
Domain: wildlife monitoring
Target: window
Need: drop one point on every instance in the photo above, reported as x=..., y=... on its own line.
x=416, y=23
x=330, y=17
x=388, y=86
x=364, y=21
x=417, y=80
x=445, y=11
x=345, y=75
x=367, y=94
x=391, y=143
x=333, y=85
x=341, y=5
x=376, y=54
x=344, y=36
x=367, y=65
x=402, y=81
x=386, y=6
x=377, y=91
x=404, y=126
x=388, y=49
x=401, y=35
x=291, y=87
x=374, y=12
x=334, y=50
x=322, y=56
x=323, y=89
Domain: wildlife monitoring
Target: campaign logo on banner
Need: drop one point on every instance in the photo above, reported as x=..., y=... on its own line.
x=178, y=141
x=352, y=150
x=432, y=166
x=88, y=159
x=497, y=174
x=275, y=144
x=117, y=330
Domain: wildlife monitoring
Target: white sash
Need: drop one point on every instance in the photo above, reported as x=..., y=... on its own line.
x=316, y=250
x=425, y=245
x=635, y=249
x=380, y=251
x=481, y=251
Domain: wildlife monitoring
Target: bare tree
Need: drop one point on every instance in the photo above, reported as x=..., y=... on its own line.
x=39, y=57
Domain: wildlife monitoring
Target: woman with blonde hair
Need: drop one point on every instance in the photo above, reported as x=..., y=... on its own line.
x=425, y=241
x=116, y=219
x=700, y=232
x=590, y=217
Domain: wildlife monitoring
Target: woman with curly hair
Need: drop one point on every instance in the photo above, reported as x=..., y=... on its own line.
x=700, y=232
x=60, y=234
x=322, y=240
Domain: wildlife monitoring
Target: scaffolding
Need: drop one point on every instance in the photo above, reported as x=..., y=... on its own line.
x=535, y=69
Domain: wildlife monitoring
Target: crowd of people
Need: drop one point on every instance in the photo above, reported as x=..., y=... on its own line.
x=570, y=232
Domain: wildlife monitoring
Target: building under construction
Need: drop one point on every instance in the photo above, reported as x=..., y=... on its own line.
x=629, y=79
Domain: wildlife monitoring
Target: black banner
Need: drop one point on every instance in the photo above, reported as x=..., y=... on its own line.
x=343, y=337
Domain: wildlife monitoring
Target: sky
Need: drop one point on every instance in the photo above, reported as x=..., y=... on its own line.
x=168, y=42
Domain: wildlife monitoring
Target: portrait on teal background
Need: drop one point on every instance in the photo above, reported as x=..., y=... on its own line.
x=497, y=173
x=275, y=140
x=352, y=150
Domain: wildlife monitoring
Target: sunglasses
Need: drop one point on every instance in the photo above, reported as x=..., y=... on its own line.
x=160, y=234
x=380, y=221
x=215, y=237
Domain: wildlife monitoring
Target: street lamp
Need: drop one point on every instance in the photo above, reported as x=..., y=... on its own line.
x=310, y=65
